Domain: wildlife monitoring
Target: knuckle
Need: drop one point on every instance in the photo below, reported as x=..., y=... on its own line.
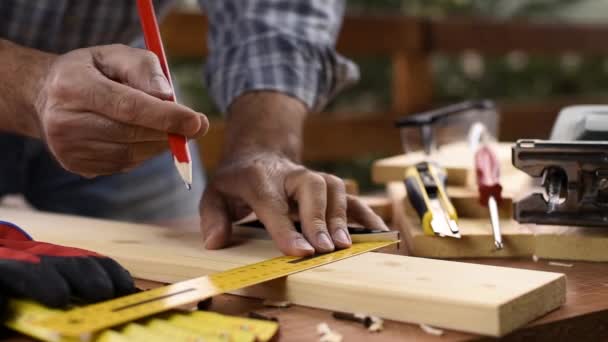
x=335, y=182
x=126, y=108
x=318, y=224
x=147, y=61
x=254, y=172
x=315, y=181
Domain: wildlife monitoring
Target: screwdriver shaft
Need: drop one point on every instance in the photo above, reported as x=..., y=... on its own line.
x=494, y=219
x=488, y=183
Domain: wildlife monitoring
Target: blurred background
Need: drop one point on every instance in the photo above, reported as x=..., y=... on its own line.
x=531, y=57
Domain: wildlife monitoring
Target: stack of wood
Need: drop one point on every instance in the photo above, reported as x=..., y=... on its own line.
x=520, y=240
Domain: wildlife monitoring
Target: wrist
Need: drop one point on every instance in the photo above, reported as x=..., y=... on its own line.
x=20, y=91
x=264, y=122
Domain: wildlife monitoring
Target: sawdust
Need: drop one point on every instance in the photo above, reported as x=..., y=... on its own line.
x=431, y=330
x=560, y=264
x=276, y=303
x=326, y=334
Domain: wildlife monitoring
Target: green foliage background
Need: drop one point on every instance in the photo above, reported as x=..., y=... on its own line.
x=516, y=76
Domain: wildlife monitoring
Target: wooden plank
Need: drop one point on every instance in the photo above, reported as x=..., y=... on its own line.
x=449, y=35
x=185, y=34
x=477, y=240
x=456, y=158
x=571, y=243
x=412, y=82
x=466, y=297
x=372, y=35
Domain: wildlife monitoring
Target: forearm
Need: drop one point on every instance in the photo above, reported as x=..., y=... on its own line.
x=264, y=121
x=22, y=71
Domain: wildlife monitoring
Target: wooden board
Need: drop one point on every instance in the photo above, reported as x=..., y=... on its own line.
x=571, y=243
x=475, y=298
x=477, y=239
x=521, y=240
x=457, y=158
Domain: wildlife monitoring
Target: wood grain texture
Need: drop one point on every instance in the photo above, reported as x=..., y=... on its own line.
x=477, y=239
x=571, y=243
x=461, y=296
x=548, y=242
x=582, y=318
x=456, y=158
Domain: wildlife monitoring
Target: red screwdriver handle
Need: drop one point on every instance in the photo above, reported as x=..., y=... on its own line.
x=487, y=170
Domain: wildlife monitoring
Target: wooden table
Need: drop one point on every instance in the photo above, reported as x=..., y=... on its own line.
x=584, y=316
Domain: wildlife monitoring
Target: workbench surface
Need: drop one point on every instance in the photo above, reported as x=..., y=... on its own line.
x=583, y=317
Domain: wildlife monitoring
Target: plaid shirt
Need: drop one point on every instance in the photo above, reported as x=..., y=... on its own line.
x=281, y=45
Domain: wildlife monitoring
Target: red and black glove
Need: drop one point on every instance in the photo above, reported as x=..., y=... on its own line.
x=53, y=275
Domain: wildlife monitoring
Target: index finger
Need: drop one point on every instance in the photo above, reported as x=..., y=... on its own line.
x=134, y=107
x=281, y=229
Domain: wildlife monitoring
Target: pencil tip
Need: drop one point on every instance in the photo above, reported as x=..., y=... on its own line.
x=185, y=172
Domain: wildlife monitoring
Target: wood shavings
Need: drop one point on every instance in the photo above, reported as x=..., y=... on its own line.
x=326, y=334
x=534, y=257
x=431, y=330
x=276, y=303
x=560, y=264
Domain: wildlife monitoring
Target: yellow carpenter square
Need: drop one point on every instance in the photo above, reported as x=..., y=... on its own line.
x=23, y=313
x=136, y=332
x=263, y=330
x=167, y=328
x=84, y=321
x=111, y=336
x=235, y=335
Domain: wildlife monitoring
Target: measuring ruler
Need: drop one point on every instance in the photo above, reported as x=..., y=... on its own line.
x=172, y=325
x=82, y=323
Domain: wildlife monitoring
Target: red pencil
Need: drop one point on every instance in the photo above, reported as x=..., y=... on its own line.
x=177, y=143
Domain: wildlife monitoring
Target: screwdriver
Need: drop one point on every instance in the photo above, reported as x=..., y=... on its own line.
x=487, y=171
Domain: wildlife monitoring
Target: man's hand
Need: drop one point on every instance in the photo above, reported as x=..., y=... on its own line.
x=103, y=110
x=260, y=173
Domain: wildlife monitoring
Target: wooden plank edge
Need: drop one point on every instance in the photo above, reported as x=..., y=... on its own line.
x=550, y=297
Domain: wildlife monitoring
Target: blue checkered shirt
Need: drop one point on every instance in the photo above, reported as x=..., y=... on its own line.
x=282, y=45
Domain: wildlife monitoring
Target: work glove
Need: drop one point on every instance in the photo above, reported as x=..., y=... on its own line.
x=54, y=275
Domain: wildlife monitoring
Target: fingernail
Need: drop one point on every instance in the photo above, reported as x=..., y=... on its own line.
x=341, y=237
x=302, y=244
x=161, y=85
x=324, y=241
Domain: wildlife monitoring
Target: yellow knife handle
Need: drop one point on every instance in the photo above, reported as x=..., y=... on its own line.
x=418, y=197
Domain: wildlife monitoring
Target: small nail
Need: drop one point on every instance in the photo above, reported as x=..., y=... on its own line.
x=324, y=241
x=161, y=85
x=341, y=237
x=302, y=244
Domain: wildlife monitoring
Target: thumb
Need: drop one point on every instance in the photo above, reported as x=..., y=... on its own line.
x=216, y=225
x=137, y=68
